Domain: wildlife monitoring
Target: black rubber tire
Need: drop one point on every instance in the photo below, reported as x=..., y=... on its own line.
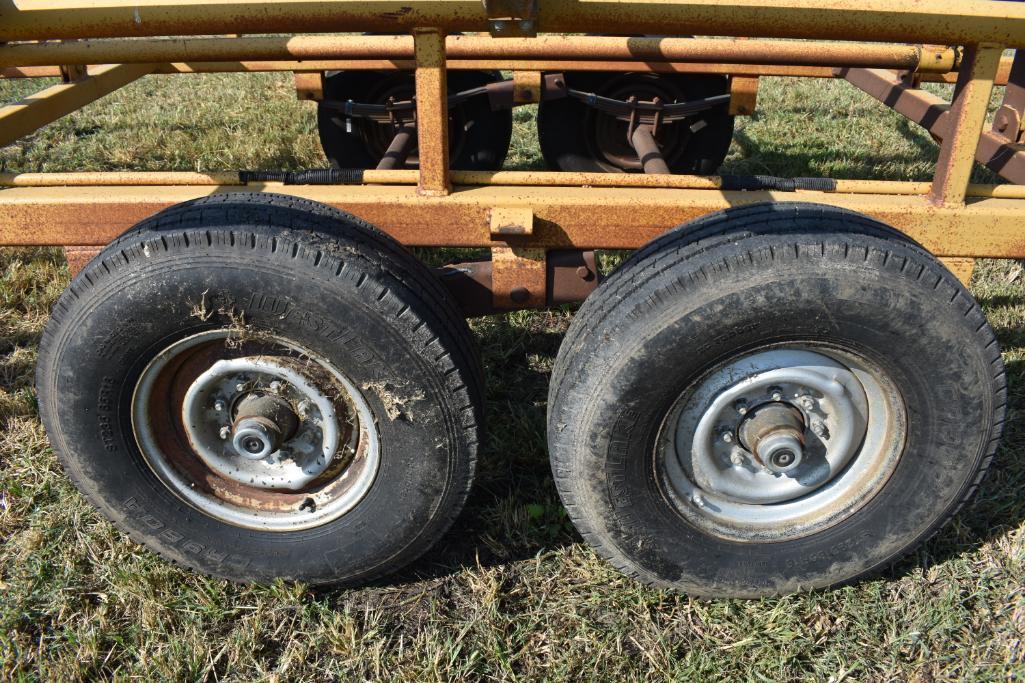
x=735, y=281
x=478, y=136
x=566, y=127
x=313, y=275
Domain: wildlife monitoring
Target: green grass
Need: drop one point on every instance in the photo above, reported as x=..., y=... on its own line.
x=511, y=592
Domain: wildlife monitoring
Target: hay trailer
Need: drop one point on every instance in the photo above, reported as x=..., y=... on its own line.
x=787, y=386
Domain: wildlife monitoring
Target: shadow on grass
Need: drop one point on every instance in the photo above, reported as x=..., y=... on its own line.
x=804, y=158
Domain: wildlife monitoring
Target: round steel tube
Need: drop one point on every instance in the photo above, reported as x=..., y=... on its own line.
x=474, y=178
x=949, y=22
x=648, y=152
x=934, y=59
x=399, y=148
x=483, y=178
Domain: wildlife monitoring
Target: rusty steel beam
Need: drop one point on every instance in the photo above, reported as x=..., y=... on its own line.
x=950, y=22
x=962, y=268
x=30, y=72
x=924, y=58
x=484, y=178
x=318, y=66
x=565, y=217
x=1009, y=119
x=967, y=117
x=33, y=112
x=924, y=108
x=995, y=151
x=431, y=112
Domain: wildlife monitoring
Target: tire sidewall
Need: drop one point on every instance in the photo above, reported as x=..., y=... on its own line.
x=894, y=321
x=108, y=339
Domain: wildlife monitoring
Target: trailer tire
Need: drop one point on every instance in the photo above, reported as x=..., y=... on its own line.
x=478, y=136
x=746, y=314
x=267, y=322
x=575, y=137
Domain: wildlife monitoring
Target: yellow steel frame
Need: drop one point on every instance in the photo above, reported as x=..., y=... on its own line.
x=438, y=207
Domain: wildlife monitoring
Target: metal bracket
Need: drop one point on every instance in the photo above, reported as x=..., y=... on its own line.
x=70, y=73
x=526, y=87
x=743, y=95
x=309, y=86
x=511, y=18
x=518, y=277
x=512, y=221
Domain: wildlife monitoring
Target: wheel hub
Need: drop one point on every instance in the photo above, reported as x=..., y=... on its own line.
x=262, y=434
x=279, y=432
x=262, y=424
x=774, y=434
x=780, y=441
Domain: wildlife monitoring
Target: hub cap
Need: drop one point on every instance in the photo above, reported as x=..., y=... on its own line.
x=781, y=443
x=261, y=434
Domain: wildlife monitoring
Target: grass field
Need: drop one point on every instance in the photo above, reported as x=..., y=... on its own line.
x=510, y=593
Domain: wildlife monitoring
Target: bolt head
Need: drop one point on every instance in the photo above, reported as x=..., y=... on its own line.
x=741, y=407
x=727, y=436
x=219, y=406
x=225, y=432
x=807, y=402
x=698, y=500
x=776, y=394
x=275, y=386
x=819, y=428
x=240, y=387
x=737, y=458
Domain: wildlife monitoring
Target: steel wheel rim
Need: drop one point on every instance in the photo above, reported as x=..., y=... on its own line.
x=839, y=414
x=194, y=390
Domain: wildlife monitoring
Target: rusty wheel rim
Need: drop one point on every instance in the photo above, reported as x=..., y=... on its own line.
x=256, y=432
